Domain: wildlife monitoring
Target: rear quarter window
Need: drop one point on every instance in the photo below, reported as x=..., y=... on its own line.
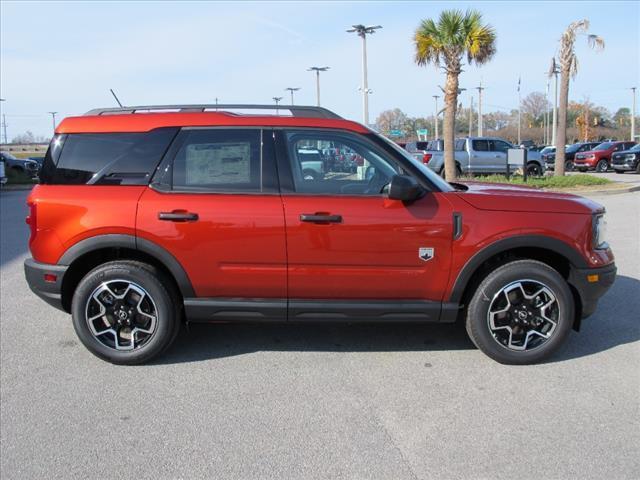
x=105, y=158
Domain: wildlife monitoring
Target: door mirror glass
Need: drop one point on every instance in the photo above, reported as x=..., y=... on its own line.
x=404, y=188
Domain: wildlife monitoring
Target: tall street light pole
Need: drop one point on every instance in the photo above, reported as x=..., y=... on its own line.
x=519, y=113
x=480, y=89
x=633, y=115
x=546, y=115
x=317, y=70
x=292, y=89
x=53, y=119
x=435, y=120
x=362, y=32
x=470, y=113
x=277, y=100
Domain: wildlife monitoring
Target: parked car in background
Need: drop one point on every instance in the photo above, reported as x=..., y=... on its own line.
x=599, y=158
x=627, y=160
x=481, y=155
x=39, y=160
x=569, y=155
x=417, y=149
x=20, y=165
x=3, y=177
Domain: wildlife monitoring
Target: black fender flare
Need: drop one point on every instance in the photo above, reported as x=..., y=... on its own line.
x=131, y=242
x=518, y=241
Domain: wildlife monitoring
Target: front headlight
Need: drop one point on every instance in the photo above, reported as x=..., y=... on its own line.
x=591, y=156
x=599, y=232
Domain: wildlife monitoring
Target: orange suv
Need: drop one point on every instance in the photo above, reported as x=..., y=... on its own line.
x=149, y=216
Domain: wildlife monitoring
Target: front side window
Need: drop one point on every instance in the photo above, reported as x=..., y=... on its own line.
x=500, y=146
x=337, y=164
x=219, y=160
x=481, y=145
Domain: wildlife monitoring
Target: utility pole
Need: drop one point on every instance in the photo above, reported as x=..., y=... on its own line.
x=317, y=70
x=470, y=114
x=53, y=119
x=4, y=128
x=480, y=89
x=362, y=32
x=519, y=113
x=292, y=89
x=633, y=115
x=436, y=118
x=4, y=124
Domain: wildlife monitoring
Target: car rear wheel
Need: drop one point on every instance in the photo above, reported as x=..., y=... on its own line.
x=125, y=312
x=568, y=166
x=602, y=166
x=520, y=313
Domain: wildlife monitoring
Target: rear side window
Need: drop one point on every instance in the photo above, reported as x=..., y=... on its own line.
x=105, y=158
x=481, y=145
x=225, y=160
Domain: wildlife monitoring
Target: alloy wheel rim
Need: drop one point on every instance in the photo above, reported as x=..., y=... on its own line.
x=523, y=315
x=121, y=315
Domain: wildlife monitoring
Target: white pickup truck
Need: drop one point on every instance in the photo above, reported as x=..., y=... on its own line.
x=481, y=155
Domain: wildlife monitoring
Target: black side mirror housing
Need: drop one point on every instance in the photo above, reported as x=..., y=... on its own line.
x=404, y=188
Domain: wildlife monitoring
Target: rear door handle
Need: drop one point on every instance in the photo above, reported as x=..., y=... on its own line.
x=320, y=218
x=178, y=216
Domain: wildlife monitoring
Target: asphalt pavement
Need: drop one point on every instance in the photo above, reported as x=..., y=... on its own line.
x=325, y=401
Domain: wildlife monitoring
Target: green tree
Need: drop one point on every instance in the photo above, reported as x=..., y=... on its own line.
x=568, y=70
x=444, y=43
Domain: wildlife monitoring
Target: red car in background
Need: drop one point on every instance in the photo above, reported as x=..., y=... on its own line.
x=599, y=159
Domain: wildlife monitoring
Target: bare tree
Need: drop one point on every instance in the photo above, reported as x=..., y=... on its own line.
x=391, y=120
x=535, y=105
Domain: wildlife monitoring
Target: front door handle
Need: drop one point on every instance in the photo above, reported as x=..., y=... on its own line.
x=320, y=218
x=178, y=216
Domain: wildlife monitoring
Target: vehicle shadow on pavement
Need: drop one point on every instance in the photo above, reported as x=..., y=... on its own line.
x=612, y=325
x=206, y=341
x=615, y=322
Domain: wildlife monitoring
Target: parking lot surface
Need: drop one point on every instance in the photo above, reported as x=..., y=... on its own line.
x=326, y=401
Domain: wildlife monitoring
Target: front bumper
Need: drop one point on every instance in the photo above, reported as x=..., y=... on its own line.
x=591, y=284
x=49, y=290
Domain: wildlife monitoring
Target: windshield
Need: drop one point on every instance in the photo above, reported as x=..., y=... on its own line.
x=548, y=150
x=603, y=146
x=430, y=174
x=635, y=148
x=8, y=156
x=574, y=148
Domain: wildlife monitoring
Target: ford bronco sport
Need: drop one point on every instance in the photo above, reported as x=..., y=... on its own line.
x=148, y=216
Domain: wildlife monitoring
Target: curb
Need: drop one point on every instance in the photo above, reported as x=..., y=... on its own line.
x=617, y=191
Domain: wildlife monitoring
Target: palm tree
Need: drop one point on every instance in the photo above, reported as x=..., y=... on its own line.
x=443, y=44
x=568, y=70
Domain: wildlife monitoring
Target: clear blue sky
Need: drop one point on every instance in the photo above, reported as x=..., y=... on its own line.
x=64, y=56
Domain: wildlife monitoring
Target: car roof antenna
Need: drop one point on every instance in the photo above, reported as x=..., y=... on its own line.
x=115, y=96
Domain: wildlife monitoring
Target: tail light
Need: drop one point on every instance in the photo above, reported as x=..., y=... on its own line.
x=426, y=157
x=32, y=220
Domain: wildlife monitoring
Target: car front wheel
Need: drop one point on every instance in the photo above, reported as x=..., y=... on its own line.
x=602, y=166
x=520, y=313
x=125, y=312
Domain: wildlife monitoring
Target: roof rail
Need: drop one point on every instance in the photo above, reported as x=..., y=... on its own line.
x=296, y=110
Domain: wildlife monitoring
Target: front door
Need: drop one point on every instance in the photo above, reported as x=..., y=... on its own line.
x=346, y=240
x=216, y=209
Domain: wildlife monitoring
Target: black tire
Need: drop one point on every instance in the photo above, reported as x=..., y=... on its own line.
x=569, y=166
x=458, y=171
x=159, y=289
x=602, y=166
x=534, y=170
x=478, y=324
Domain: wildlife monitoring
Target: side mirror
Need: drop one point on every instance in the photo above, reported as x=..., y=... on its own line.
x=404, y=188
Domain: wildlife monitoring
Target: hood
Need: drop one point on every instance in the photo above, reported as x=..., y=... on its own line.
x=510, y=198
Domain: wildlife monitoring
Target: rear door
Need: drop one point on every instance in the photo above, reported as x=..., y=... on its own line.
x=214, y=205
x=348, y=242
x=482, y=158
